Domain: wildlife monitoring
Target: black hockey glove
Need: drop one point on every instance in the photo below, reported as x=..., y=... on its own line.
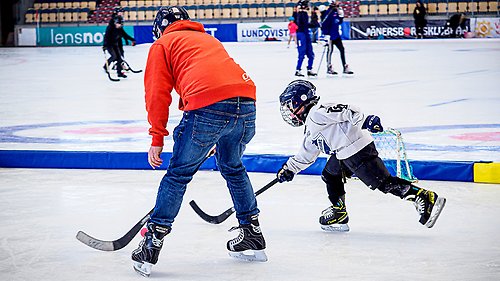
x=372, y=123
x=284, y=174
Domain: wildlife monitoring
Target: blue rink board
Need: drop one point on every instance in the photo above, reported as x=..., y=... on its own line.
x=264, y=163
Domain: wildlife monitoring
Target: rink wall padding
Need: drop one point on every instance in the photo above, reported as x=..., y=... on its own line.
x=466, y=171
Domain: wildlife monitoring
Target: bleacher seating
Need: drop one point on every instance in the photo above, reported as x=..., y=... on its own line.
x=71, y=11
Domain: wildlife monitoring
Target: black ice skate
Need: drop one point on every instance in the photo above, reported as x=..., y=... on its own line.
x=250, y=243
x=428, y=204
x=122, y=75
x=311, y=74
x=298, y=73
x=331, y=72
x=347, y=70
x=146, y=255
x=335, y=218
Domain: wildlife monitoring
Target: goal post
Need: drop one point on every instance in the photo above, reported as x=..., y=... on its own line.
x=391, y=149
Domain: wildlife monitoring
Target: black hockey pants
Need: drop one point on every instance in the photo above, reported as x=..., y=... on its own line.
x=337, y=42
x=368, y=167
x=116, y=55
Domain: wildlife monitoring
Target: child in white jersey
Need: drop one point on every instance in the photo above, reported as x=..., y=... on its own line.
x=343, y=132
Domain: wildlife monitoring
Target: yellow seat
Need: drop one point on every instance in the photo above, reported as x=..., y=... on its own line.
x=363, y=10
x=393, y=9
x=148, y=3
x=68, y=5
x=37, y=6
x=493, y=6
x=483, y=7
x=372, y=9
x=452, y=7
x=92, y=5
x=411, y=8
x=432, y=8
x=132, y=15
x=29, y=18
x=280, y=11
x=67, y=17
x=462, y=7
x=382, y=9
x=442, y=8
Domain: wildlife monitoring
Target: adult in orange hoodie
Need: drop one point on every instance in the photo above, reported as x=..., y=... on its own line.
x=218, y=100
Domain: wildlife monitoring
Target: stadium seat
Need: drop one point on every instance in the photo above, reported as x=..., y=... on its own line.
x=393, y=9
x=483, y=7
x=462, y=7
x=29, y=17
x=280, y=10
x=244, y=10
x=432, y=8
x=382, y=9
x=372, y=10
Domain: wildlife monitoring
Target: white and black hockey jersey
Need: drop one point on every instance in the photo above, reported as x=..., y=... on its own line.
x=330, y=129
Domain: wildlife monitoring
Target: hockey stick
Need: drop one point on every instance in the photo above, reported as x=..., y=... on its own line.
x=125, y=239
x=227, y=213
x=322, y=55
x=115, y=244
x=130, y=68
x=108, y=71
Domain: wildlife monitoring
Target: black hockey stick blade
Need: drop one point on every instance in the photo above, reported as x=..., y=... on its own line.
x=112, y=79
x=130, y=68
x=108, y=70
x=227, y=213
x=115, y=244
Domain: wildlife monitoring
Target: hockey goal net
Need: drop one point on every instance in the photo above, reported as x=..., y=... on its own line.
x=391, y=149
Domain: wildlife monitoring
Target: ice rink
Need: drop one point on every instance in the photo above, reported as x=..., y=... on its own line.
x=442, y=94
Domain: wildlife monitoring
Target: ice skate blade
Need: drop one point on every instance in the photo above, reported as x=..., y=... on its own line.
x=347, y=75
x=335, y=227
x=436, y=211
x=143, y=269
x=250, y=255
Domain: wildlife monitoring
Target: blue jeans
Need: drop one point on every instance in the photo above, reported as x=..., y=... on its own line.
x=230, y=124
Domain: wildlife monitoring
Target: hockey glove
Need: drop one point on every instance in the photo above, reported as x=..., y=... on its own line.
x=372, y=123
x=284, y=174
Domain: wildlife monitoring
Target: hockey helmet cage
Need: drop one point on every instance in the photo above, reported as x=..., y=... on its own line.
x=296, y=102
x=167, y=15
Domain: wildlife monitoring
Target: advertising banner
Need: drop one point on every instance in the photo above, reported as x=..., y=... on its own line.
x=485, y=27
x=74, y=36
x=223, y=32
x=263, y=31
x=404, y=29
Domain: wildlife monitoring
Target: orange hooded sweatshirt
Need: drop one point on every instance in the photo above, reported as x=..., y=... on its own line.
x=197, y=66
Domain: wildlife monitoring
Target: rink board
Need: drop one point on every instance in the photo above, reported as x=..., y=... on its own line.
x=265, y=163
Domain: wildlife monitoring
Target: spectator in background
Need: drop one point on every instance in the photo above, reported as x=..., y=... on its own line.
x=113, y=44
x=419, y=14
x=332, y=21
x=304, y=45
x=314, y=24
x=457, y=25
x=292, y=31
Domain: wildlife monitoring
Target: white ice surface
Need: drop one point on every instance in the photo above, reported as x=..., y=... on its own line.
x=408, y=83
x=42, y=210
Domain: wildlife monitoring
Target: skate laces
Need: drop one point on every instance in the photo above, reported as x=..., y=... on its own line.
x=239, y=238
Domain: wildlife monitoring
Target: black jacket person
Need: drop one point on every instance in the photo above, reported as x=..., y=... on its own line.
x=113, y=43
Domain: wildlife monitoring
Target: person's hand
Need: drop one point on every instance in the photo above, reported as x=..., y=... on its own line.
x=372, y=123
x=133, y=43
x=284, y=174
x=154, y=156
x=326, y=39
x=103, y=49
